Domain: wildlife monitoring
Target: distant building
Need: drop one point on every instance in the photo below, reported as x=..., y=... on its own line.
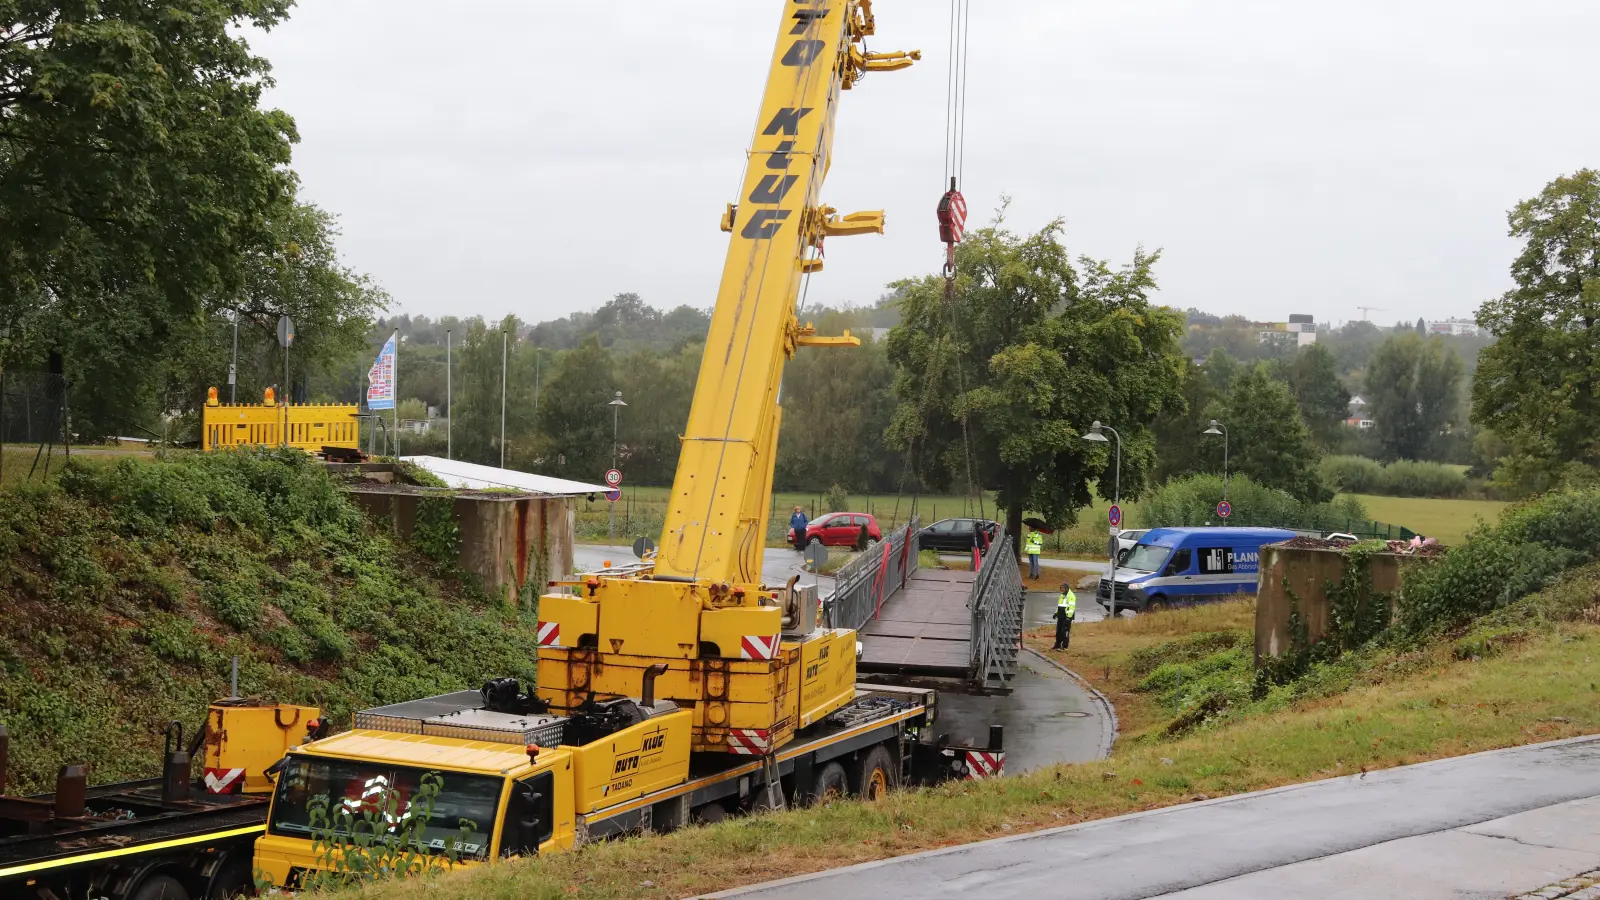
x=1299, y=331
x=1455, y=327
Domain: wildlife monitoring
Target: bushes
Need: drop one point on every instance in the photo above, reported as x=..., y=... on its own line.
x=1401, y=478
x=1352, y=474
x=1193, y=501
x=129, y=585
x=1525, y=552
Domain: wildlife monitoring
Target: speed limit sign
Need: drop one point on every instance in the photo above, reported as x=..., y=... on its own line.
x=613, y=478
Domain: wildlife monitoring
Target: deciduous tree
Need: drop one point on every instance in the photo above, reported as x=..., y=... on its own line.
x=1324, y=402
x=1267, y=440
x=1413, y=388
x=1005, y=376
x=1538, y=386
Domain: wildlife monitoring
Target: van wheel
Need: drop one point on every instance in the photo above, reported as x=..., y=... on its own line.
x=1157, y=603
x=832, y=784
x=876, y=775
x=161, y=887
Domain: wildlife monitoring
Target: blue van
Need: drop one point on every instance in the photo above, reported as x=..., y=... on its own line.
x=1182, y=565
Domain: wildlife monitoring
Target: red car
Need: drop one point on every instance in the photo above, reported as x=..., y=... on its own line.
x=842, y=530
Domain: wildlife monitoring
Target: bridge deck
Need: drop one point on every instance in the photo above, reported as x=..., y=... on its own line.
x=924, y=629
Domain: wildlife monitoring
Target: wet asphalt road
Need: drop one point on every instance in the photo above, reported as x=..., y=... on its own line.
x=1048, y=718
x=1470, y=828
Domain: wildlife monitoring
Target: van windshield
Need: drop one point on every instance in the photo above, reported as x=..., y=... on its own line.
x=1146, y=557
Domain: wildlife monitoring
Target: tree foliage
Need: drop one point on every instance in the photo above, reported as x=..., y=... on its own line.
x=1267, y=440
x=1414, y=392
x=1538, y=387
x=1324, y=402
x=136, y=167
x=1029, y=351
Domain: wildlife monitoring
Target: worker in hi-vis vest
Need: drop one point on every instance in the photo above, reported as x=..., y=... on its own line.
x=1033, y=547
x=1066, y=611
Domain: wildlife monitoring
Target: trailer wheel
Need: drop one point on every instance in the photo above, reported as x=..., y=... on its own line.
x=161, y=887
x=832, y=784
x=876, y=775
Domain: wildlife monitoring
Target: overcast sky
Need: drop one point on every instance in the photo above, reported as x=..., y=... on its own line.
x=535, y=157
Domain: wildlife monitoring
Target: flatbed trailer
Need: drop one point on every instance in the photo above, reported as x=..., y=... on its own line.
x=896, y=719
x=176, y=837
x=129, y=842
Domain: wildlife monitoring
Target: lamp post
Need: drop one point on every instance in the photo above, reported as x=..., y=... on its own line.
x=616, y=405
x=1096, y=435
x=1219, y=428
x=505, y=344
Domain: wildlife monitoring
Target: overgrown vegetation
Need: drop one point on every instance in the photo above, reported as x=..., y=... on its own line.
x=1401, y=478
x=130, y=584
x=1193, y=501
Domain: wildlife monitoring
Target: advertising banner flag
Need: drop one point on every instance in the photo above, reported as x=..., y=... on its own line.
x=380, y=378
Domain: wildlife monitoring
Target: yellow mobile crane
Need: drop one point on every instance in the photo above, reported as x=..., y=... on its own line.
x=672, y=692
x=743, y=656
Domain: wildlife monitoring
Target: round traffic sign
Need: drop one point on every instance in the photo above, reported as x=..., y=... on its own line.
x=1115, y=515
x=613, y=478
x=613, y=496
x=642, y=546
x=1224, y=509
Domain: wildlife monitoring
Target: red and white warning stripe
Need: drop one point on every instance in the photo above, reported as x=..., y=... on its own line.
x=224, y=781
x=749, y=741
x=756, y=646
x=983, y=764
x=549, y=634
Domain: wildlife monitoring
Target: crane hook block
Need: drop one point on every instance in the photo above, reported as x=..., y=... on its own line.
x=952, y=215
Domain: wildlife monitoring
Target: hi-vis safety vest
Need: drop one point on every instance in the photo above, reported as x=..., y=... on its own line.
x=1034, y=545
x=1068, y=603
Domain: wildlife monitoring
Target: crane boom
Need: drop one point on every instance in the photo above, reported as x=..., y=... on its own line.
x=743, y=655
x=716, y=519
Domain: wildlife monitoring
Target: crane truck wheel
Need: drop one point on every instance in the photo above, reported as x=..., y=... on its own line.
x=161, y=887
x=832, y=784
x=710, y=814
x=876, y=774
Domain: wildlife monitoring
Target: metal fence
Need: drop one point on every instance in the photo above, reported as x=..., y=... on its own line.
x=33, y=408
x=996, y=606
x=861, y=586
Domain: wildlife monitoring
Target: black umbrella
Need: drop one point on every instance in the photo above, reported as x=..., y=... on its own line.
x=1039, y=526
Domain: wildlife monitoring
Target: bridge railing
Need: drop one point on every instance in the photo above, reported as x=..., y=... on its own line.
x=861, y=586
x=996, y=606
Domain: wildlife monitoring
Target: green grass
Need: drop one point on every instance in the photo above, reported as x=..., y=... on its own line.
x=1447, y=520
x=128, y=586
x=1397, y=708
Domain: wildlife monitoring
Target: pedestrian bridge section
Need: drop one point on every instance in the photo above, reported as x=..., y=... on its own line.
x=931, y=622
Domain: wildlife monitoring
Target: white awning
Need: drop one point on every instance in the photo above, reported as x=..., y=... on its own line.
x=458, y=474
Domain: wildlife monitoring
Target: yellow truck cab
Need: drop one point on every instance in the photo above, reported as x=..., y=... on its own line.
x=514, y=780
x=506, y=784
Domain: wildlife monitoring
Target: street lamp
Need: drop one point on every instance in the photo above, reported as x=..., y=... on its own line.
x=1097, y=435
x=616, y=405
x=1219, y=428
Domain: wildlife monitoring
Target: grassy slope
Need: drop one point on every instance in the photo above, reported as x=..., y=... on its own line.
x=128, y=585
x=1387, y=709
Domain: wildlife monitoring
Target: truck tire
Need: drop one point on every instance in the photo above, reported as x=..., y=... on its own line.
x=832, y=784
x=161, y=887
x=876, y=774
x=234, y=878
